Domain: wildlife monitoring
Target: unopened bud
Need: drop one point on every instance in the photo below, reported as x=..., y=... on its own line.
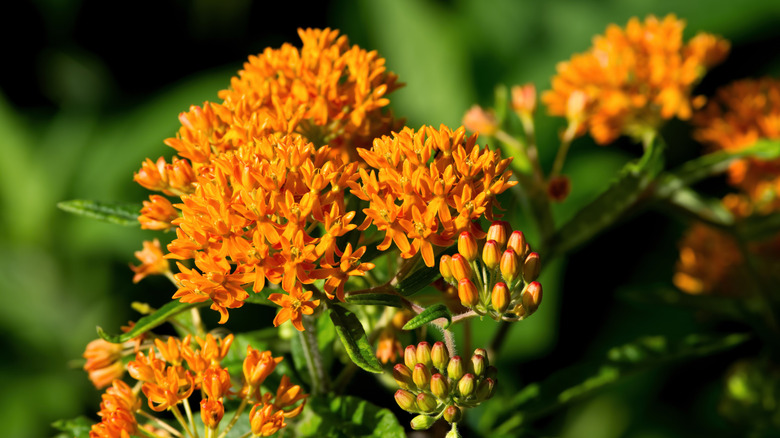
x=491, y=372
x=466, y=385
x=531, y=267
x=499, y=231
x=439, y=386
x=426, y=402
x=477, y=119
x=532, y=297
x=524, y=99
x=478, y=364
x=452, y=414
x=422, y=422
x=211, y=412
x=424, y=354
x=517, y=242
x=500, y=297
x=467, y=246
x=403, y=376
x=487, y=387
x=440, y=356
x=455, y=368
x=509, y=266
x=421, y=376
x=445, y=268
x=406, y=400
x=467, y=292
x=491, y=254
x=410, y=356
x=460, y=267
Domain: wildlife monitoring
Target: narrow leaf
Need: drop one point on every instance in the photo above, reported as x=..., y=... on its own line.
x=706, y=210
x=375, y=300
x=422, y=277
x=149, y=322
x=350, y=331
x=428, y=315
x=347, y=416
x=114, y=212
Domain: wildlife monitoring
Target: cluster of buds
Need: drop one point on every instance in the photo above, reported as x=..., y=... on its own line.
x=497, y=279
x=435, y=385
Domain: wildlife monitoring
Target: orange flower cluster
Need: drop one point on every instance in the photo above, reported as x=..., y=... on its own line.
x=709, y=262
x=104, y=359
x=633, y=78
x=740, y=114
x=152, y=259
x=444, y=181
x=174, y=369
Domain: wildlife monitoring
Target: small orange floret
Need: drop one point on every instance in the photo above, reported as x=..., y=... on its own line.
x=152, y=260
x=294, y=305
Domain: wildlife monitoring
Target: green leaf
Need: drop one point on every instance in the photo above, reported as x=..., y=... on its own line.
x=422, y=277
x=149, y=322
x=375, y=300
x=350, y=331
x=655, y=295
x=73, y=428
x=759, y=227
x=707, y=210
x=347, y=416
x=575, y=383
x=625, y=194
x=114, y=212
x=428, y=315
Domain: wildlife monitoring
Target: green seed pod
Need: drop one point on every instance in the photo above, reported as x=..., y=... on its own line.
x=486, y=389
x=452, y=414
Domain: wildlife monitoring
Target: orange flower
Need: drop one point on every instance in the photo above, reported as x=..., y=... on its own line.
x=633, y=78
x=257, y=366
x=265, y=420
x=219, y=284
x=294, y=306
x=169, y=388
x=286, y=396
x=709, y=263
x=104, y=362
x=216, y=382
x=157, y=214
x=349, y=266
x=152, y=261
x=389, y=347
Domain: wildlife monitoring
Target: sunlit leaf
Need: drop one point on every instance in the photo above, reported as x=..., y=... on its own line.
x=430, y=314
x=149, y=322
x=353, y=336
x=73, y=428
x=114, y=212
x=347, y=416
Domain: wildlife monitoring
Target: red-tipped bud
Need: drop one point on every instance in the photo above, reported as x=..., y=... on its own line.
x=426, y=402
x=410, y=356
x=440, y=356
x=486, y=389
x=439, y=386
x=422, y=422
x=452, y=414
x=467, y=292
x=517, y=243
x=406, y=400
x=478, y=364
x=455, y=368
x=211, y=412
x=499, y=231
x=477, y=119
x=445, y=268
x=460, y=267
x=421, y=376
x=531, y=267
x=481, y=351
x=524, y=99
x=424, y=354
x=467, y=246
x=491, y=254
x=532, y=297
x=403, y=376
x=509, y=266
x=500, y=297
x=467, y=385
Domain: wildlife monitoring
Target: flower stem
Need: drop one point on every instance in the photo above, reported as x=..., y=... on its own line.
x=181, y=420
x=311, y=352
x=238, y=413
x=160, y=423
x=188, y=411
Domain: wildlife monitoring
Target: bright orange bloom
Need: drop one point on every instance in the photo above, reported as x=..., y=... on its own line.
x=152, y=261
x=265, y=420
x=349, y=266
x=116, y=411
x=258, y=365
x=294, y=306
x=157, y=214
x=104, y=362
x=169, y=388
x=709, y=263
x=287, y=395
x=211, y=412
x=388, y=347
x=219, y=283
x=478, y=120
x=633, y=78
x=214, y=350
x=216, y=382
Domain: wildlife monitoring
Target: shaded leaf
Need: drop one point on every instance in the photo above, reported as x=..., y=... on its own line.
x=758, y=227
x=422, y=277
x=350, y=331
x=428, y=315
x=149, y=322
x=655, y=295
x=707, y=210
x=73, y=428
x=375, y=300
x=347, y=416
x=114, y=212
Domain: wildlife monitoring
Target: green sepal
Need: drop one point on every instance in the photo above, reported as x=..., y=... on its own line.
x=428, y=315
x=114, y=212
x=149, y=322
x=353, y=336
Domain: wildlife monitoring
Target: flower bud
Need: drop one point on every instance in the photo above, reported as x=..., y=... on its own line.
x=466, y=385
x=424, y=354
x=211, y=412
x=483, y=352
x=410, y=356
x=487, y=387
x=499, y=231
x=460, y=267
x=524, y=98
x=426, y=402
x=517, y=243
x=491, y=372
x=445, y=268
x=532, y=297
x=500, y=297
x=403, y=376
x=421, y=376
x=422, y=422
x=406, y=400
x=531, y=267
x=467, y=246
x=452, y=414
x=509, y=266
x=477, y=119
x=467, y=292
x=491, y=254
x=440, y=356
x=439, y=386
x=455, y=368
x=478, y=364
x=558, y=188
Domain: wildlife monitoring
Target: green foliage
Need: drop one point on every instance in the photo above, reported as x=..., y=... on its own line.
x=114, y=212
x=74, y=428
x=353, y=337
x=371, y=299
x=437, y=311
x=348, y=417
x=143, y=325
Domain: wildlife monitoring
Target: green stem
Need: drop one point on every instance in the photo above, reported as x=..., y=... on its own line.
x=238, y=413
x=159, y=422
x=188, y=411
x=563, y=150
x=311, y=352
x=181, y=420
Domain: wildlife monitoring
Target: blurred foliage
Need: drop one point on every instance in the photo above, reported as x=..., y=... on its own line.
x=92, y=88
